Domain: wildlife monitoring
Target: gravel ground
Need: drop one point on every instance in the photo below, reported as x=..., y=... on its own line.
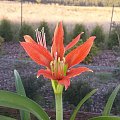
x=13, y=51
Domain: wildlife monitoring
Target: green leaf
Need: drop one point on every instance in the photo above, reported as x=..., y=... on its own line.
x=110, y=101
x=18, y=84
x=21, y=91
x=13, y=100
x=105, y=118
x=6, y=118
x=81, y=103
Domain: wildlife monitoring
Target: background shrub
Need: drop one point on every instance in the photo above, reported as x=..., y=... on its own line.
x=16, y=29
x=116, y=50
x=26, y=30
x=113, y=39
x=1, y=41
x=36, y=89
x=93, y=52
x=100, y=36
x=47, y=32
x=5, y=30
x=32, y=85
x=116, y=71
x=78, y=29
x=76, y=92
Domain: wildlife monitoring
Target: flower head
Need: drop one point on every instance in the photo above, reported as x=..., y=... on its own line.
x=58, y=66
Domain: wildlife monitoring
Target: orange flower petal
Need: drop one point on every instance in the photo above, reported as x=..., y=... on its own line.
x=45, y=73
x=65, y=81
x=58, y=46
x=29, y=39
x=76, y=71
x=78, y=55
x=37, y=53
x=74, y=41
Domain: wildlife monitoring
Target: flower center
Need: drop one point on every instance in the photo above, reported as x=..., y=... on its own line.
x=58, y=68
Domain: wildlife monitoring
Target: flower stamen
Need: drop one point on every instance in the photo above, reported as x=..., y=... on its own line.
x=57, y=67
x=41, y=37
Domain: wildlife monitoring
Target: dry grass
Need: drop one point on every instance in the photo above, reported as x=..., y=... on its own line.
x=34, y=13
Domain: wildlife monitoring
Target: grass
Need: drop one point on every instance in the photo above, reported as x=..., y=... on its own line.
x=70, y=15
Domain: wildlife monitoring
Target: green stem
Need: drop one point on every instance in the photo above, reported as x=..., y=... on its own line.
x=59, y=106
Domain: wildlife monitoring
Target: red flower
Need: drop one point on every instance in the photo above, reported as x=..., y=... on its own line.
x=58, y=67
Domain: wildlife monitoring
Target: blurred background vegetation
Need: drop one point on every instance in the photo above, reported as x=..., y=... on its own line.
x=101, y=3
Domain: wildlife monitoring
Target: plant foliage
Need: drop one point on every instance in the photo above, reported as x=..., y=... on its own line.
x=1, y=41
x=5, y=30
x=81, y=103
x=26, y=30
x=76, y=92
x=78, y=29
x=116, y=104
x=100, y=36
x=113, y=39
